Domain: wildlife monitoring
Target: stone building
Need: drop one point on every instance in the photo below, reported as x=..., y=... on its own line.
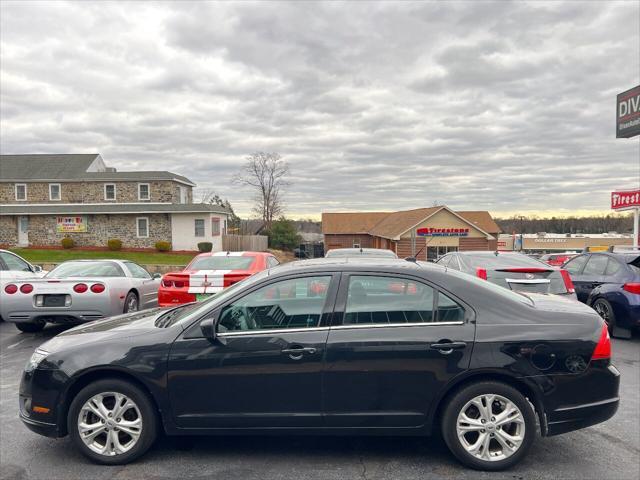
x=44, y=198
x=425, y=232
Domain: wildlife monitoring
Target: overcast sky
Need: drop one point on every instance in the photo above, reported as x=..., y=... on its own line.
x=502, y=106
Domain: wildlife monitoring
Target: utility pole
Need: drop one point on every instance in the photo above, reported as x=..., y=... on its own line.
x=521, y=217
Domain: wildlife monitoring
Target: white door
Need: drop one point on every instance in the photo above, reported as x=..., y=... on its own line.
x=23, y=231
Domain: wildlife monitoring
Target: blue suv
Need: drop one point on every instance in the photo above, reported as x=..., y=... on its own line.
x=610, y=283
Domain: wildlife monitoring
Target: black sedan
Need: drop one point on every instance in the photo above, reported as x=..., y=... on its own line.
x=339, y=346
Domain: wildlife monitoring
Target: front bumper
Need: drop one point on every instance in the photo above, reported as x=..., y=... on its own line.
x=41, y=428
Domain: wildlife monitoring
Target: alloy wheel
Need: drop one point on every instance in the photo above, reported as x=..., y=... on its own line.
x=603, y=310
x=110, y=423
x=132, y=304
x=490, y=427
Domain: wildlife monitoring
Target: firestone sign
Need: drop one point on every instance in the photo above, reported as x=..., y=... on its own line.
x=442, y=232
x=628, y=113
x=625, y=200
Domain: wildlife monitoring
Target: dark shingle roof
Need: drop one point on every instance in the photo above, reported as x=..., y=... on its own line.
x=70, y=167
x=111, y=208
x=46, y=167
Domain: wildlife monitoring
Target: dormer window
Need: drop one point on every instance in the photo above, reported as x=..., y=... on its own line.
x=144, y=191
x=55, y=192
x=21, y=192
x=109, y=191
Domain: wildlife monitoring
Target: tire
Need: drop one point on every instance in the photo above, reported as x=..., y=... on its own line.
x=140, y=417
x=605, y=310
x=131, y=299
x=497, y=456
x=32, y=327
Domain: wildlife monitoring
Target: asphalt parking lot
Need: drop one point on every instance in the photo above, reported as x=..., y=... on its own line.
x=607, y=451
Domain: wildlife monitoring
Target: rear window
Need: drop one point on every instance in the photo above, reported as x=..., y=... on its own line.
x=222, y=263
x=86, y=269
x=493, y=261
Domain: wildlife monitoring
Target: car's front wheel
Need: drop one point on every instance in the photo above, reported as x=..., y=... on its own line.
x=489, y=426
x=112, y=421
x=32, y=327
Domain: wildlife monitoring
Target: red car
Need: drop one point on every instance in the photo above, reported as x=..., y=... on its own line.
x=556, y=259
x=210, y=273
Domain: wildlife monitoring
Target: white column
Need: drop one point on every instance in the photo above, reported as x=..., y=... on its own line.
x=636, y=226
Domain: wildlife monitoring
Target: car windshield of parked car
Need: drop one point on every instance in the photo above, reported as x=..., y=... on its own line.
x=86, y=269
x=228, y=262
x=196, y=310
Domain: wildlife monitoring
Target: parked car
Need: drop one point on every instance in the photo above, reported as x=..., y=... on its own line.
x=610, y=283
x=78, y=291
x=209, y=273
x=13, y=266
x=360, y=252
x=557, y=259
x=512, y=270
x=344, y=351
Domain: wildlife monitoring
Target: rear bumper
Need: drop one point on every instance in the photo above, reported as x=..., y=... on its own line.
x=55, y=316
x=576, y=417
x=569, y=417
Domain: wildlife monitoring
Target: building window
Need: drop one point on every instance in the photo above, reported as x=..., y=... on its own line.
x=183, y=194
x=54, y=191
x=215, y=226
x=142, y=224
x=199, y=227
x=356, y=244
x=109, y=191
x=21, y=191
x=143, y=191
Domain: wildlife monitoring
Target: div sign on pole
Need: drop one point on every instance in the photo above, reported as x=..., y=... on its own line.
x=628, y=200
x=628, y=113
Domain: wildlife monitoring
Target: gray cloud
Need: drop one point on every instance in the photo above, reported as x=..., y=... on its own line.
x=506, y=106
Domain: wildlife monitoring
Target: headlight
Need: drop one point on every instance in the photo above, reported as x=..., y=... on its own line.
x=37, y=357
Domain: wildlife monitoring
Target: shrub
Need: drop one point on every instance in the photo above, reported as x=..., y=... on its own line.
x=283, y=235
x=67, y=242
x=205, y=247
x=114, y=244
x=163, y=246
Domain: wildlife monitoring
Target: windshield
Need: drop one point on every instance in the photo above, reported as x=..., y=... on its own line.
x=86, y=269
x=222, y=263
x=192, y=311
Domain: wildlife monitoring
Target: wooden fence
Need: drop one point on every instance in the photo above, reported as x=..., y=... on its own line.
x=237, y=243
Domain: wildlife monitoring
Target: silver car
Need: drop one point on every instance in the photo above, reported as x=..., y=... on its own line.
x=78, y=291
x=360, y=253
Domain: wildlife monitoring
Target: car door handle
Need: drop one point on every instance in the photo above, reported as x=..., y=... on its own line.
x=448, y=347
x=299, y=351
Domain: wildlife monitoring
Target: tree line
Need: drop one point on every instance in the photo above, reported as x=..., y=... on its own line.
x=590, y=224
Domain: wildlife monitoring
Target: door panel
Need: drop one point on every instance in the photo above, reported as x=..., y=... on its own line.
x=244, y=381
x=264, y=368
x=384, y=367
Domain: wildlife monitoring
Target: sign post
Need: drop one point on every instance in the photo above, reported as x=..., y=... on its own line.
x=628, y=200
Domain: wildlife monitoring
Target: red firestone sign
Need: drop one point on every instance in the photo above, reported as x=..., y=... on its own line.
x=625, y=200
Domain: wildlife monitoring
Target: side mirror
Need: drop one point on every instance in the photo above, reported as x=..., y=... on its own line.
x=157, y=276
x=37, y=269
x=208, y=327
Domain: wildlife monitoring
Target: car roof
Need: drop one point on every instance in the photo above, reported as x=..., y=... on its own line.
x=225, y=253
x=627, y=257
x=339, y=264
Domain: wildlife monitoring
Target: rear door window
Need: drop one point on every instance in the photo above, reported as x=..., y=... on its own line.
x=575, y=266
x=596, y=265
x=613, y=267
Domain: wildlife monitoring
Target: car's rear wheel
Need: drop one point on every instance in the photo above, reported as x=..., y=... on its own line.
x=112, y=422
x=31, y=327
x=489, y=426
x=131, y=303
x=605, y=310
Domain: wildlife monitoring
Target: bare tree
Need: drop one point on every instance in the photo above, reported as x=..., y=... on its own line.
x=266, y=173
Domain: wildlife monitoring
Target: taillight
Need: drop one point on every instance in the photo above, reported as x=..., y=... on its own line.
x=568, y=283
x=80, y=288
x=97, y=288
x=482, y=273
x=11, y=289
x=603, y=348
x=178, y=284
x=167, y=283
x=632, y=288
x=26, y=288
